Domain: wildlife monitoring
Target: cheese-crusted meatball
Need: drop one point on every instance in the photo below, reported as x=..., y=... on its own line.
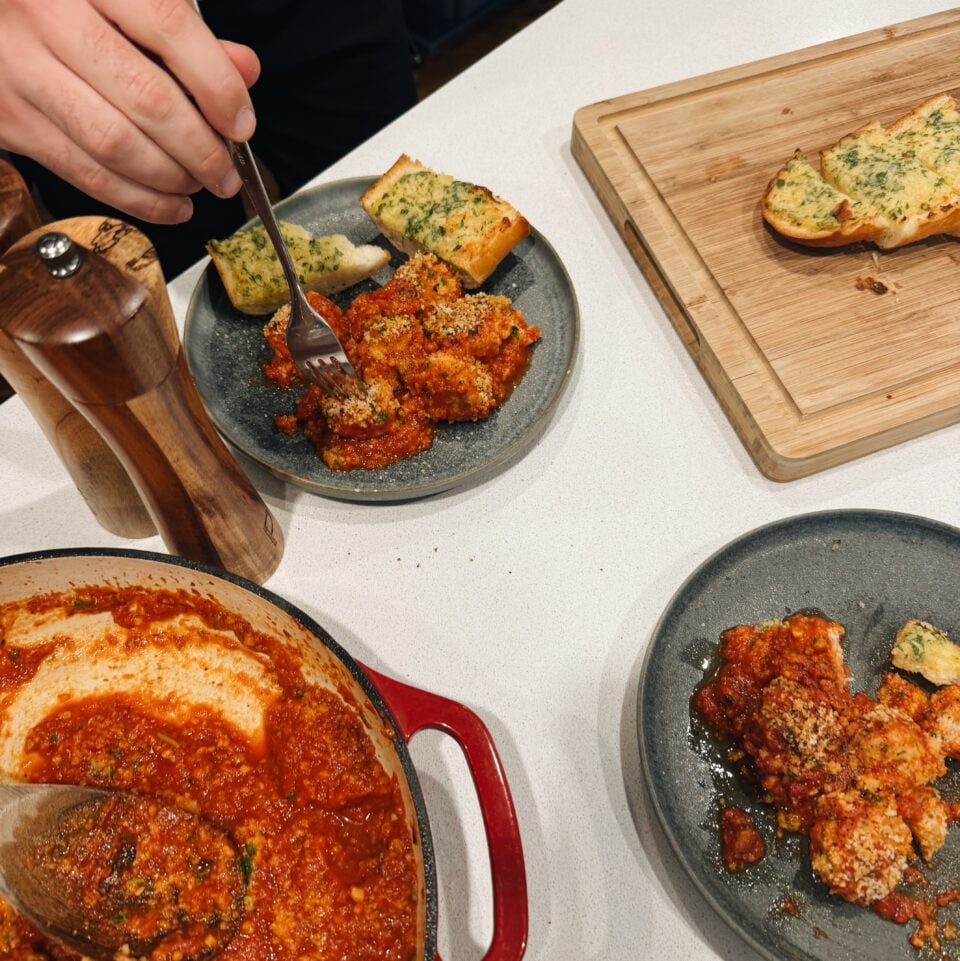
x=798, y=748
x=453, y=388
x=859, y=845
x=927, y=816
x=943, y=719
x=893, y=753
x=392, y=347
x=476, y=325
x=896, y=691
x=364, y=411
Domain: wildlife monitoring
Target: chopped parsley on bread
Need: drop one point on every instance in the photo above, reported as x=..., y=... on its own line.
x=801, y=205
x=932, y=131
x=419, y=210
x=890, y=185
x=924, y=649
x=254, y=281
x=873, y=166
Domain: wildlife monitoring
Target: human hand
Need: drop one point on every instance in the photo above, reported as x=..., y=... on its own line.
x=124, y=99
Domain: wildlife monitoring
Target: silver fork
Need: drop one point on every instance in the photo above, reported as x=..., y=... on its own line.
x=313, y=346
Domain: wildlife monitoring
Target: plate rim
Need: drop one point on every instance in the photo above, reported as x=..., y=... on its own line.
x=847, y=515
x=477, y=474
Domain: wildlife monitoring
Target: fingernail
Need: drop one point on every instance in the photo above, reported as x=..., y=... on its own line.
x=229, y=185
x=244, y=124
x=184, y=212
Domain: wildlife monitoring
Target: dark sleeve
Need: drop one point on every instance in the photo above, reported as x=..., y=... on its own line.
x=333, y=74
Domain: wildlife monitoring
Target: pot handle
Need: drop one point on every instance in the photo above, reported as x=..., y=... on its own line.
x=413, y=710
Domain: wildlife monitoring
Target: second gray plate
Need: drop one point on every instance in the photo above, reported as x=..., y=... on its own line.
x=869, y=570
x=224, y=349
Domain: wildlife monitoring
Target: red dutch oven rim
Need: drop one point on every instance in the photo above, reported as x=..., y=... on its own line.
x=407, y=709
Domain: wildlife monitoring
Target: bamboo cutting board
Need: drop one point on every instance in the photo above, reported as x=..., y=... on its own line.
x=810, y=363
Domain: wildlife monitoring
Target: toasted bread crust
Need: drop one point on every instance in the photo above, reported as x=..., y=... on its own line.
x=419, y=210
x=891, y=186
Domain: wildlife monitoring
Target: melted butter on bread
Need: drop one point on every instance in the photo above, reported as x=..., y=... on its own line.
x=465, y=225
x=902, y=181
x=253, y=278
x=801, y=205
x=921, y=648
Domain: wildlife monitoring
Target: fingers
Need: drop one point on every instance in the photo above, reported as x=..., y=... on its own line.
x=172, y=30
x=102, y=131
x=59, y=154
x=88, y=99
x=244, y=59
x=145, y=93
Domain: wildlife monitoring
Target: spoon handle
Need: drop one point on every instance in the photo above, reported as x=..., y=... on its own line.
x=38, y=805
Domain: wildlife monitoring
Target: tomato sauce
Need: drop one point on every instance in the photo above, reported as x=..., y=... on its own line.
x=426, y=353
x=740, y=842
x=327, y=850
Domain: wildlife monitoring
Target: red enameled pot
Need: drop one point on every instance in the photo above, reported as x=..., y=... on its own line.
x=402, y=709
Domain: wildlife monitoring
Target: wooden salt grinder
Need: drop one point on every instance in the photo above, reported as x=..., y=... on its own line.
x=94, y=332
x=94, y=468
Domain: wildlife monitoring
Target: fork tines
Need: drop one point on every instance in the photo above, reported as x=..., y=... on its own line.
x=330, y=376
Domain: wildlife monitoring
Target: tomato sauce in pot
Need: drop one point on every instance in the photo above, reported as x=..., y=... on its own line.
x=328, y=853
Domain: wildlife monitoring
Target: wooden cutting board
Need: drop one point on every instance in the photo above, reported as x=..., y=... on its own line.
x=811, y=365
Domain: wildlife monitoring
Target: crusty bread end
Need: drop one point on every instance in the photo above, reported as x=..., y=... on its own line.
x=901, y=183
x=419, y=210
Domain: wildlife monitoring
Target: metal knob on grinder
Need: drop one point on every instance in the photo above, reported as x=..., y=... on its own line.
x=115, y=354
x=60, y=255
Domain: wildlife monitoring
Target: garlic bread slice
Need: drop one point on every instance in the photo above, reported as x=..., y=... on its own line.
x=921, y=648
x=254, y=281
x=801, y=205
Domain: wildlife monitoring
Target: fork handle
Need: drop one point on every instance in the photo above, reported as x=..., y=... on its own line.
x=246, y=166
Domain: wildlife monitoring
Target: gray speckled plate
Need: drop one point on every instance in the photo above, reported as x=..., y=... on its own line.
x=224, y=349
x=869, y=570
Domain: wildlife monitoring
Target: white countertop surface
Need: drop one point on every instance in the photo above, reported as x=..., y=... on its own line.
x=531, y=597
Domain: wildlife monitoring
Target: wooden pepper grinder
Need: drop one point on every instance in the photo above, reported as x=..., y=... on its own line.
x=18, y=213
x=115, y=354
x=94, y=468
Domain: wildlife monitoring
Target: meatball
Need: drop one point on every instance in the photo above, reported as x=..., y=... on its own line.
x=893, y=753
x=859, y=845
x=928, y=817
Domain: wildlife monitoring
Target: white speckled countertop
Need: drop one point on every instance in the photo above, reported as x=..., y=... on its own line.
x=531, y=597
